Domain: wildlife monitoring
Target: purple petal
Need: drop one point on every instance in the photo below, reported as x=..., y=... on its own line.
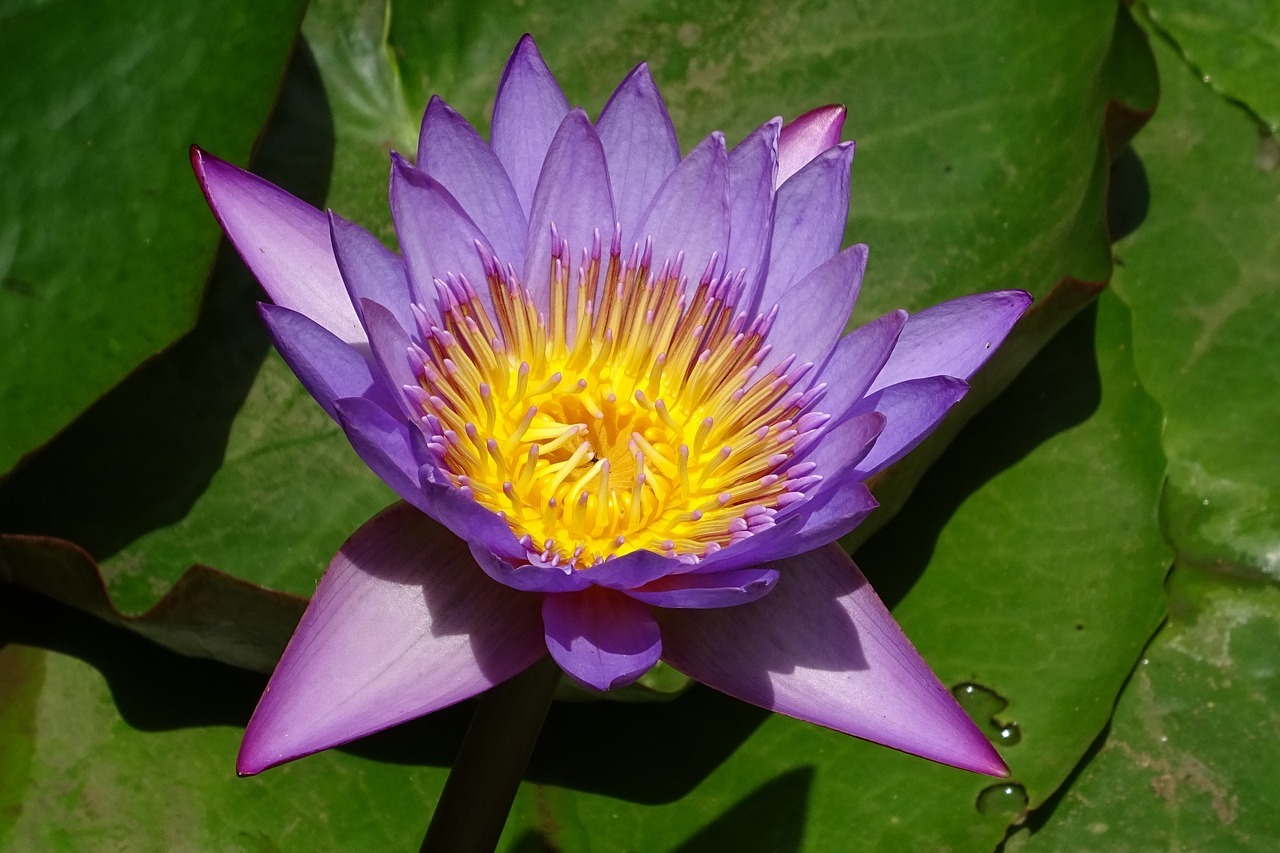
x=573, y=194
x=526, y=114
x=529, y=578
x=812, y=313
x=632, y=570
x=847, y=443
x=390, y=345
x=436, y=235
x=690, y=213
x=954, y=338
x=807, y=137
x=856, y=361
x=284, y=240
x=600, y=637
x=450, y=150
x=912, y=408
x=822, y=647
x=809, y=220
x=708, y=590
x=822, y=519
x=369, y=269
x=328, y=368
x=753, y=167
x=467, y=519
x=640, y=146
x=839, y=505
x=401, y=624
x=385, y=444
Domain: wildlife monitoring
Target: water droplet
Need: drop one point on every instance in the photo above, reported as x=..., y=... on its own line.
x=982, y=704
x=1009, y=735
x=1006, y=798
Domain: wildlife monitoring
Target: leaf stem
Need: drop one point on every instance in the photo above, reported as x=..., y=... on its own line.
x=477, y=796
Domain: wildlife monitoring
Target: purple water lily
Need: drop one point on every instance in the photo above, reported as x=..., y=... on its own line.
x=611, y=386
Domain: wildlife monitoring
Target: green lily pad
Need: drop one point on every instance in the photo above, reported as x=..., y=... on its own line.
x=1234, y=45
x=1202, y=276
x=275, y=489
x=104, y=242
x=112, y=743
x=983, y=164
x=1189, y=761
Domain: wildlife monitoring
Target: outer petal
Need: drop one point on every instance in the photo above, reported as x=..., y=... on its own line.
x=913, y=409
x=753, y=168
x=528, y=109
x=401, y=624
x=954, y=338
x=370, y=270
x=328, y=368
x=690, y=213
x=822, y=647
x=813, y=312
x=573, y=194
x=807, y=137
x=600, y=637
x=707, y=590
x=436, y=234
x=809, y=221
x=450, y=150
x=284, y=240
x=640, y=146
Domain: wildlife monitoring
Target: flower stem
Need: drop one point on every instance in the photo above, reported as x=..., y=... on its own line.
x=477, y=796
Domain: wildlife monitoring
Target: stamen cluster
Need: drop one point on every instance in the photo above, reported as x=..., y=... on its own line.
x=637, y=416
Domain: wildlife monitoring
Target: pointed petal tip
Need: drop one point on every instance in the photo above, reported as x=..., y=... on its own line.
x=973, y=753
x=401, y=624
x=196, y=153
x=249, y=762
x=642, y=74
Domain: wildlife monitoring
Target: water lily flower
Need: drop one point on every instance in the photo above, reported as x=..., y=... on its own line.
x=612, y=387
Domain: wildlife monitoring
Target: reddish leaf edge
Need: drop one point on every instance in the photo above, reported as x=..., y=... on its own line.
x=207, y=613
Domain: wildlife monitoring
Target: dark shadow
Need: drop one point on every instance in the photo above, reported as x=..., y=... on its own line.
x=1059, y=389
x=648, y=753
x=143, y=454
x=155, y=689
x=1128, y=196
x=534, y=841
x=772, y=817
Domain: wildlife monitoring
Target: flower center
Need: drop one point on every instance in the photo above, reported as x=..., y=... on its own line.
x=633, y=414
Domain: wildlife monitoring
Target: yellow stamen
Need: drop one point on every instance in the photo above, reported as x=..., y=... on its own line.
x=626, y=418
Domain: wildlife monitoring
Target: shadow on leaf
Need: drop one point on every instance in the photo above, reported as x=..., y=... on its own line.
x=1059, y=389
x=140, y=457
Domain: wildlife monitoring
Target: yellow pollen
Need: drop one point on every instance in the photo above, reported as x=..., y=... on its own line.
x=631, y=415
